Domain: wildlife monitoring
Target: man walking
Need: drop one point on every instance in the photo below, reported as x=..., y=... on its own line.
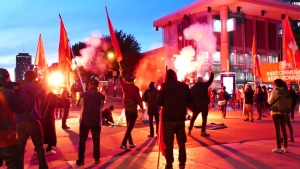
x=174, y=97
x=91, y=103
x=150, y=97
x=249, y=93
x=201, y=100
x=29, y=123
x=9, y=103
x=131, y=98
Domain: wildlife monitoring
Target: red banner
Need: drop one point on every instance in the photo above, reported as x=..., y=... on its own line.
x=280, y=70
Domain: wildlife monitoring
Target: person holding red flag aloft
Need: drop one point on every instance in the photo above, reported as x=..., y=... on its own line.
x=174, y=97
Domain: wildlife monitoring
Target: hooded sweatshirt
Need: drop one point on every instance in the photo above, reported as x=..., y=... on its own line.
x=174, y=97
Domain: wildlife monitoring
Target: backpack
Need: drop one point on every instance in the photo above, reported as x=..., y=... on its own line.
x=284, y=100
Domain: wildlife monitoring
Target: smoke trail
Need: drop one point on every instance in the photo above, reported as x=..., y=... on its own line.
x=93, y=56
x=150, y=69
x=206, y=43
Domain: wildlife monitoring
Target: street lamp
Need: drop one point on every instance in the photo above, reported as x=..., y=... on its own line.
x=111, y=56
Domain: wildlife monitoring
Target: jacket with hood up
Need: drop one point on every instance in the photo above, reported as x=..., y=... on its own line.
x=174, y=97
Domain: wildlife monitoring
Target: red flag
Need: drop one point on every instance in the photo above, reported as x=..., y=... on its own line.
x=40, y=58
x=114, y=40
x=290, y=46
x=64, y=61
x=257, y=72
x=160, y=136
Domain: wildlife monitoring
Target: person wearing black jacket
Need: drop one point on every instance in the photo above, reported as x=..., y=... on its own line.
x=294, y=103
x=201, y=100
x=150, y=97
x=249, y=93
x=259, y=101
x=174, y=98
x=91, y=103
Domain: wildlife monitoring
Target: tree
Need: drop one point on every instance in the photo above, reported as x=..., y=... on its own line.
x=130, y=50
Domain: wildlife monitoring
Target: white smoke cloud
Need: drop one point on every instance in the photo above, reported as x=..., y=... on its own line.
x=93, y=56
x=191, y=60
x=184, y=62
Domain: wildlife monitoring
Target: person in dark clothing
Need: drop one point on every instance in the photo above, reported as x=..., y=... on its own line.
x=59, y=107
x=265, y=102
x=294, y=103
x=91, y=103
x=131, y=98
x=9, y=104
x=249, y=93
x=29, y=122
x=223, y=99
x=174, y=98
x=295, y=99
x=66, y=102
x=259, y=101
x=48, y=122
x=201, y=101
x=150, y=97
x=107, y=116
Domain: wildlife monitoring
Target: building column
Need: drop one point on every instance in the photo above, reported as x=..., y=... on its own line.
x=224, y=39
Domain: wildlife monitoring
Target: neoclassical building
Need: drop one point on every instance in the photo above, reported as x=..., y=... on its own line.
x=234, y=23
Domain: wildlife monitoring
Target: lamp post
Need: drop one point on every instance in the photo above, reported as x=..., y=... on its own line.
x=111, y=56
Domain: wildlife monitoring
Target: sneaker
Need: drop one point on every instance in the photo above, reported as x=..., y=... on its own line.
x=252, y=120
x=204, y=134
x=246, y=119
x=97, y=161
x=151, y=135
x=51, y=152
x=125, y=148
x=181, y=167
x=277, y=150
x=132, y=145
x=291, y=140
x=79, y=163
x=285, y=150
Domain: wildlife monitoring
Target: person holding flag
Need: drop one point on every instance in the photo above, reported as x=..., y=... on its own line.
x=174, y=97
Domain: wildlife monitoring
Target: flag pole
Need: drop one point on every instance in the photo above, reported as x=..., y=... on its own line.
x=72, y=53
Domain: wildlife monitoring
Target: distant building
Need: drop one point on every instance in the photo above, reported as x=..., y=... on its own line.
x=23, y=64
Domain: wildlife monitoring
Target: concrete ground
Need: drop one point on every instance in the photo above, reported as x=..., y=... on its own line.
x=241, y=145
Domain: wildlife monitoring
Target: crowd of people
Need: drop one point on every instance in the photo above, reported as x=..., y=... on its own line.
x=36, y=115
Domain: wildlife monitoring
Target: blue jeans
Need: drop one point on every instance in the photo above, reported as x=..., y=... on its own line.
x=11, y=156
x=34, y=130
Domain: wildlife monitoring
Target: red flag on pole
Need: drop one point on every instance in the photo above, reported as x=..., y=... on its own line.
x=160, y=136
x=114, y=40
x=290, y=46
x=255, y=60
x=41, y=62
x=40, y=58
x=64, y=61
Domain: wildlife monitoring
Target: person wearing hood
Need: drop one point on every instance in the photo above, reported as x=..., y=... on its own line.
x=174, y=97
x=279, y=118
x=201, y=101
x=150, y=97
x=131, y=98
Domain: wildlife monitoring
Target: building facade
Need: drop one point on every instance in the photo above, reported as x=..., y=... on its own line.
x=23, y=64
x=250, y=19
